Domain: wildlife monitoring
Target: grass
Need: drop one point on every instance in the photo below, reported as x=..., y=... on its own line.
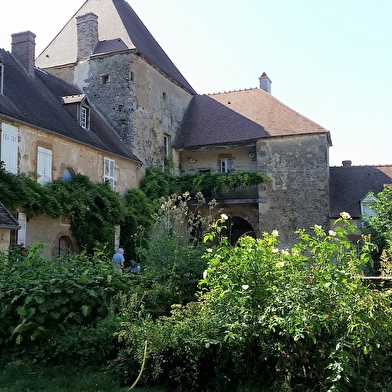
x=20, y=378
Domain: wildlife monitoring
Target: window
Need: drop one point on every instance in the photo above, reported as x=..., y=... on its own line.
x=68, y=173
x=367, y=207
x=105, y=79
x=84, y=117
x=44, y=165
x=109, y=171
x=9, y=147
x=1, y=77
x=225, y=165
x=22, y=219
x=166, y=145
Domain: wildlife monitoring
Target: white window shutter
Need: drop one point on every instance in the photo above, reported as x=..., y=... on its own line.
x=44, y=165
x=9, y=147
x=22, y=220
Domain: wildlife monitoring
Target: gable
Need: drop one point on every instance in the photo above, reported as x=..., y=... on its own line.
x=119, y=28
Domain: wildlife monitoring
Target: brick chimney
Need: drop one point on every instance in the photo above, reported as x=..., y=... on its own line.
x=265, y=83
x=346, y=163
x=87, y=30
x=23, y=48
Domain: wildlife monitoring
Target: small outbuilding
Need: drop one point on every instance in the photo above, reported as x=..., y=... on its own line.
x=7, y=223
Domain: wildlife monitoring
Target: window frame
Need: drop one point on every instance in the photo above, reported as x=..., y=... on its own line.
x=9, y=147
x=109, y=172
x=225, y=165
x=84, y=117
x=44, y=159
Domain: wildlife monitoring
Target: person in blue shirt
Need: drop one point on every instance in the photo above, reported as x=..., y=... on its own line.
x=118, y=260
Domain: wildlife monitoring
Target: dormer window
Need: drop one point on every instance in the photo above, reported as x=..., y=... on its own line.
x=79, y=108
x=1, y=77
x=84, y=117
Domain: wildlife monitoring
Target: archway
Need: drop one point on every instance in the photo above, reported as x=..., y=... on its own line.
x=237, y=227
x=64, y=246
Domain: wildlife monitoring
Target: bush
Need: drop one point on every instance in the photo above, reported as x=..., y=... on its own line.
x=47, y=305
x=299, y=318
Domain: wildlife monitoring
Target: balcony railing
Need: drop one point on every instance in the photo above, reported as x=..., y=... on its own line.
x=239, y=195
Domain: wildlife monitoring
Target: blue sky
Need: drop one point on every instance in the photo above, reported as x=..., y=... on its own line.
x=330, y=60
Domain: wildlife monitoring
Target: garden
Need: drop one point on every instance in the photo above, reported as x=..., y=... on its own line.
x=201, y=315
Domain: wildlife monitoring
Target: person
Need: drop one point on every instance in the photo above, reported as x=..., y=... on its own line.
x=118, y=260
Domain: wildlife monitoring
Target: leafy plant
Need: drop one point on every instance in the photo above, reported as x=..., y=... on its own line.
x=301, y=318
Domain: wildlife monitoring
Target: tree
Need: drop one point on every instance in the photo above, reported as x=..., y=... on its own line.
x=380, y=228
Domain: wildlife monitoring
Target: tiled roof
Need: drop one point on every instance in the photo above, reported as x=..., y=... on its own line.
x=349, y=185
x=116, y=21
x=240, y=116
x=7, y=221
x=38, y=101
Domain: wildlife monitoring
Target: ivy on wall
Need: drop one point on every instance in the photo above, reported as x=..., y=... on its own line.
x=94, y=209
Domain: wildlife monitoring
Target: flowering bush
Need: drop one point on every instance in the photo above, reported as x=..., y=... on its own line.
x=295, y=318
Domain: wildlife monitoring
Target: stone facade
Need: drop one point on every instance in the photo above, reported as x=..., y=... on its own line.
x=298, y=195
x=77, y=158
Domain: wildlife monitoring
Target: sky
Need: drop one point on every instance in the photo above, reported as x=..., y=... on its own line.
x=329, y=60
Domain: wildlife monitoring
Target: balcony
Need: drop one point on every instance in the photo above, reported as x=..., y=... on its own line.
x=239, y=195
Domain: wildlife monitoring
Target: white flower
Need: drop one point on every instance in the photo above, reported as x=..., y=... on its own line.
x=280, y=264
x=345, y=215
x=224, y=217
x=204, y=274
x=317, y=227
x=332, y=233
x=245, y=287
x=285, y=252
x=209, y=250
x=275, y=250
x=275, y=233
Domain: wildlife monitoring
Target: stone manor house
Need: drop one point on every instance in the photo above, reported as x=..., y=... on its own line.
x=103, y=99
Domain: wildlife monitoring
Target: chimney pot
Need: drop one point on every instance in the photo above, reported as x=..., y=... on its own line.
x=265, y=83
x=23, y=48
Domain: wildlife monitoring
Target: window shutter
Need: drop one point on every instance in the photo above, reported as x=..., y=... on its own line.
x=22, y=231
x=9, y=148
x=44, y=165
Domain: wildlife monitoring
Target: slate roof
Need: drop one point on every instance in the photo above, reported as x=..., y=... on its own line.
x=121, y=28
x=349, y=185
x=7, y=221
x=38, y=101
x=240, y=116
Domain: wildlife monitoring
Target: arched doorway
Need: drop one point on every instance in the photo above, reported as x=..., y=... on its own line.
x=64, y=246
x=237, y=227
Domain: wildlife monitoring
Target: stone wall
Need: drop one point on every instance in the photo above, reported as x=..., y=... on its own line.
x=139, y=101
x=298, y=195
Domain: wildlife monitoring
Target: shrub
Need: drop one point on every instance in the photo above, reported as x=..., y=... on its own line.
x=301, y=318
x=46, y=302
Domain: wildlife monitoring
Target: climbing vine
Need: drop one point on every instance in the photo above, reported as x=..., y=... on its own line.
x=94, y=209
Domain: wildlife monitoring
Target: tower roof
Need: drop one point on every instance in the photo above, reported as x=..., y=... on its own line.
x=117, y=22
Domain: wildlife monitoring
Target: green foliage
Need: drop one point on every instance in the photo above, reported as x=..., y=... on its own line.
x=93, y=208
x=137, y=223
x=380, y=227
x=157, y=184
x=171, y=262
x=301, y=318
x=47, y=305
